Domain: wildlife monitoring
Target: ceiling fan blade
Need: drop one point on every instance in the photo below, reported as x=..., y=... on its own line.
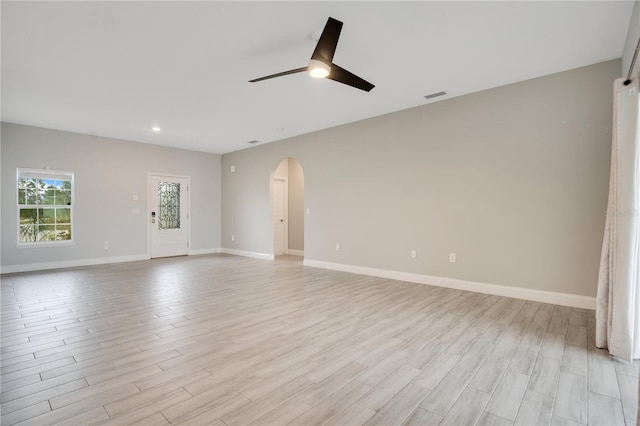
x=328, y=41
x=280, y=74
x=345, y=77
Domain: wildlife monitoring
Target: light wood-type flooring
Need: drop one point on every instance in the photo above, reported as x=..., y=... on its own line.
x=226, y=340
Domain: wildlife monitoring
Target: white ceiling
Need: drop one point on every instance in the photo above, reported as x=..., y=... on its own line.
x=116, y=69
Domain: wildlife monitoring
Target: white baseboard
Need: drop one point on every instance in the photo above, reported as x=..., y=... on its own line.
x=197, y=252
x=254, y=255
x=565, y=299
x=295, y=252
x=10, y=269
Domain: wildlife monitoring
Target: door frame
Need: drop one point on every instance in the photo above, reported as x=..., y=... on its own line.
x=285, y=196
x=169, y=175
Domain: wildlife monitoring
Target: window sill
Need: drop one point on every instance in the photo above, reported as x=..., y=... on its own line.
x=50, y=244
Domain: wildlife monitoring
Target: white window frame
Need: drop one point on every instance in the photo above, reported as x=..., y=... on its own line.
x=44, y=174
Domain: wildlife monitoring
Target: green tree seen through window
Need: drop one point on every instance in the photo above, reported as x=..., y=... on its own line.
x=45, y=205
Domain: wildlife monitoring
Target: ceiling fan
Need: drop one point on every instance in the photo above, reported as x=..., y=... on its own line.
x=321, y=63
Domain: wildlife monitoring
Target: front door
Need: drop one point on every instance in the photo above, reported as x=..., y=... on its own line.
x=169, y=220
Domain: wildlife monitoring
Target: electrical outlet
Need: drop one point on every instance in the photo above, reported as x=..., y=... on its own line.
x=233, y=237
x=337, y=246
x=106, y=245
x=452, y=257
x=413, y=254
x=232, y=168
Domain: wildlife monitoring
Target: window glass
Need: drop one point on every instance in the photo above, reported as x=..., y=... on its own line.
x=45, y=206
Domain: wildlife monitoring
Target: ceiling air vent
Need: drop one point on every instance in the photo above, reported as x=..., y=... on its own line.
x=435, y=95
x=253, y=141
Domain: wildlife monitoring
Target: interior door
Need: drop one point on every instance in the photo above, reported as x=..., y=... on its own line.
x=169, y=219
x=278, y=215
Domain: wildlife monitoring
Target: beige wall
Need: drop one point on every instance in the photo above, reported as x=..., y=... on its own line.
x=632, y=40
x=513, y=179
x=108, y=172
x=296, y=205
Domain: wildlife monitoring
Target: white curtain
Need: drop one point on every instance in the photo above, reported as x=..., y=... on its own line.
x=618, y=298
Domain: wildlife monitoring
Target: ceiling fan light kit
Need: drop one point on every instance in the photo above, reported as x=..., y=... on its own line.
x=321, y=64
x=318, y=69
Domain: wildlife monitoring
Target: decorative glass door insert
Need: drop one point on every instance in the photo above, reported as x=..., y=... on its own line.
x=168, y=205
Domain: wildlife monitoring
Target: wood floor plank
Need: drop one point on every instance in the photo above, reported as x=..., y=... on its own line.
x=445, y=394
x=43, y=395
x=467, y=409
x=259, y=407
x=324, y=411
x=629, y=396
x=97, y=391
x=79, y=409
x=90, y=417
x=264, y=386
x=544, y=378
x=574, y=360
x=508, y=396
x=523, y=361
x=205, y=414
x=159, y=420
x=283, y=414
x=436, y=370
x=200, y=340
x=571, y=398
x=400, y=406
x=604, y=410
x=321, y=390
x=553, y=346
x=422, y=417
x=355, y=415
x=488, y=419
x=384, y=391
x=20, y=383
x=627, y=368
x=154, y=400
x=602, y=375
x=25, y=413
x=143, y=405
x=536, y=409
x=377, y=372
x=577, y=335
x=41, y=368
x=488, y=376
x=178, y=377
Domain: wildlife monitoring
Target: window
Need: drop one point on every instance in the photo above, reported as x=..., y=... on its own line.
x=45, y=206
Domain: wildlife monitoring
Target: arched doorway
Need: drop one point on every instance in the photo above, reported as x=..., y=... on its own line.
x=287, y=208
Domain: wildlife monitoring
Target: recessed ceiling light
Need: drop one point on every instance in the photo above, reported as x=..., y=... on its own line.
x=156, y=129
